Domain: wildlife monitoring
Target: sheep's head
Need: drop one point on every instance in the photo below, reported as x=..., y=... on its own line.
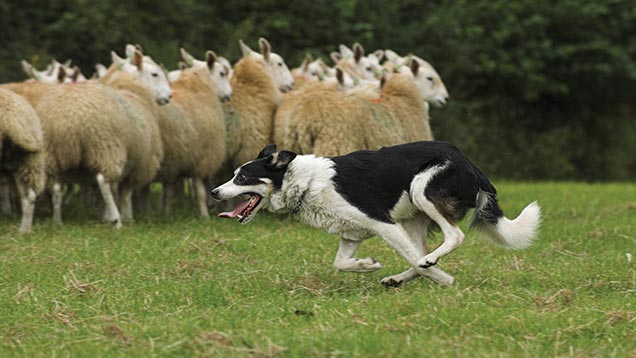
x=55, y=73
x=276, y=65
x=150, y=73
x=427, y=80
x=368, y=67
x=220, y=71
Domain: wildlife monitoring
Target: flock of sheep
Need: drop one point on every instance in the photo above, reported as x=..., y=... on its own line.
x=135, y=123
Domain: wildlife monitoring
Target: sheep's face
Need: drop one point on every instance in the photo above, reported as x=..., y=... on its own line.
x=429, y=83
x=369, y=67
x=152, y=75
x=280, y=72
x=219, y=68
x=224, y=61
x=220, y=75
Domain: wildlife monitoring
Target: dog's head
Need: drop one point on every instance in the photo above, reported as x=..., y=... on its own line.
x=255, y=182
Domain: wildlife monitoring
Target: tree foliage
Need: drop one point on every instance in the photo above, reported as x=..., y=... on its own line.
x=538, y=89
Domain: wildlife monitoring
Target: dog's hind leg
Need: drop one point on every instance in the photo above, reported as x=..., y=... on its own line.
x=346, y=262
x=417, y=230
x=453, y=235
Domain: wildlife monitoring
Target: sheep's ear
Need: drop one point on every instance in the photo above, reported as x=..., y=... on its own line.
x=139, y=48
x=267, y=151
x=335, y=56
x=210, y=58
x=76, y=73
x=379, y=54
x=115, y=57
x=391, y=55
x=358, y=52
x=138, y=60
x=27, y=68
x=266, y=48
x=306, y=62
x=61, y=74
x=130, y=50
x=68, y=62
x=383, y=79
x=49, y=69
x=101, y=70
x=245, y=50
x=187, y=58
x=414, y=65
x=340, y=76
x=322, y=65
x=345, y=51
x=182, y=65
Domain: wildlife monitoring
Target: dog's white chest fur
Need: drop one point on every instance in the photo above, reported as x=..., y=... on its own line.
x=308, y=192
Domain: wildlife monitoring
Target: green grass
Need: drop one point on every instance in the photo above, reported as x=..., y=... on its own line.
x=187, y=287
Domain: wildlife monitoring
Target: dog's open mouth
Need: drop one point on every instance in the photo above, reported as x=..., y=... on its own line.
x=244, y=209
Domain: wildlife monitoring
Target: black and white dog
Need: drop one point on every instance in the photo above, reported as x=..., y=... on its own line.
x=397, y=193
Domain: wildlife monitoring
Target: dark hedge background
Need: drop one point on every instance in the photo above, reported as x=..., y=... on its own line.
x=539, y=89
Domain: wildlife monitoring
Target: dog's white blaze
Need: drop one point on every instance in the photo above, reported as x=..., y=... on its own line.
x=230, y=190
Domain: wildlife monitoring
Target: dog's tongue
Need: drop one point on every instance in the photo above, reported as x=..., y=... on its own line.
x=237, y=210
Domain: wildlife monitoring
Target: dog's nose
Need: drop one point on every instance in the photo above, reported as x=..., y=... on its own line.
x=215, y=194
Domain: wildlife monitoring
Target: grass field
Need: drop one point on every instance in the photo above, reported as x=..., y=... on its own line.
x=186, y=287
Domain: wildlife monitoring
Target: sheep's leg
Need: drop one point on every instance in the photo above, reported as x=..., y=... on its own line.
x=192, y=189
x=70, y=193
x=126, y=196
x=142, y=200
x=178, y=190
x=5, y=199
x=56, y=200
x=201, y=197
x=114, y=187
x=346, y=262
x=111, y=213
x=27, y=201
x=166, y=197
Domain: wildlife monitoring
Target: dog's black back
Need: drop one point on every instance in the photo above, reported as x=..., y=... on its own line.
x=374, y=181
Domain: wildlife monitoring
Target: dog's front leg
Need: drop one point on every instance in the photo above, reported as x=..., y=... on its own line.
x=346, y=262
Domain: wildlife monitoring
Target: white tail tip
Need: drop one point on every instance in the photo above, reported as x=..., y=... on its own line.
x=518, y=233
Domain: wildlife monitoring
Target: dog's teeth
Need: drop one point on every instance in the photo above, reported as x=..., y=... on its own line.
x=239, y=216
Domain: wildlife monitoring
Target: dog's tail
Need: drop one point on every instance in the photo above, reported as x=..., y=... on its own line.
x=490, y=220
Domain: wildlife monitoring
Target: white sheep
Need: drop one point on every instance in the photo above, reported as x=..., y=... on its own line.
x=193, y=134
x=218, y=68
x=106, y=131
x=330, y=123
x=22, y=151
x=257, y=83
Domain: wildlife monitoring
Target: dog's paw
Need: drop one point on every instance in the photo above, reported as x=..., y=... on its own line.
x=368, y=264
x=427, y=261
x=391, y=281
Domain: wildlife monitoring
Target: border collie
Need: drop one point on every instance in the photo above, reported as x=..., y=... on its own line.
x=398, y=193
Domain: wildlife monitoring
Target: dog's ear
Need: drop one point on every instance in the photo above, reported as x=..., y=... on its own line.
x=267, y=151
x=281, y=160
x=285, y=157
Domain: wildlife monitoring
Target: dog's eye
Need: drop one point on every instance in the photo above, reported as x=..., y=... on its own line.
x=240, y=177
